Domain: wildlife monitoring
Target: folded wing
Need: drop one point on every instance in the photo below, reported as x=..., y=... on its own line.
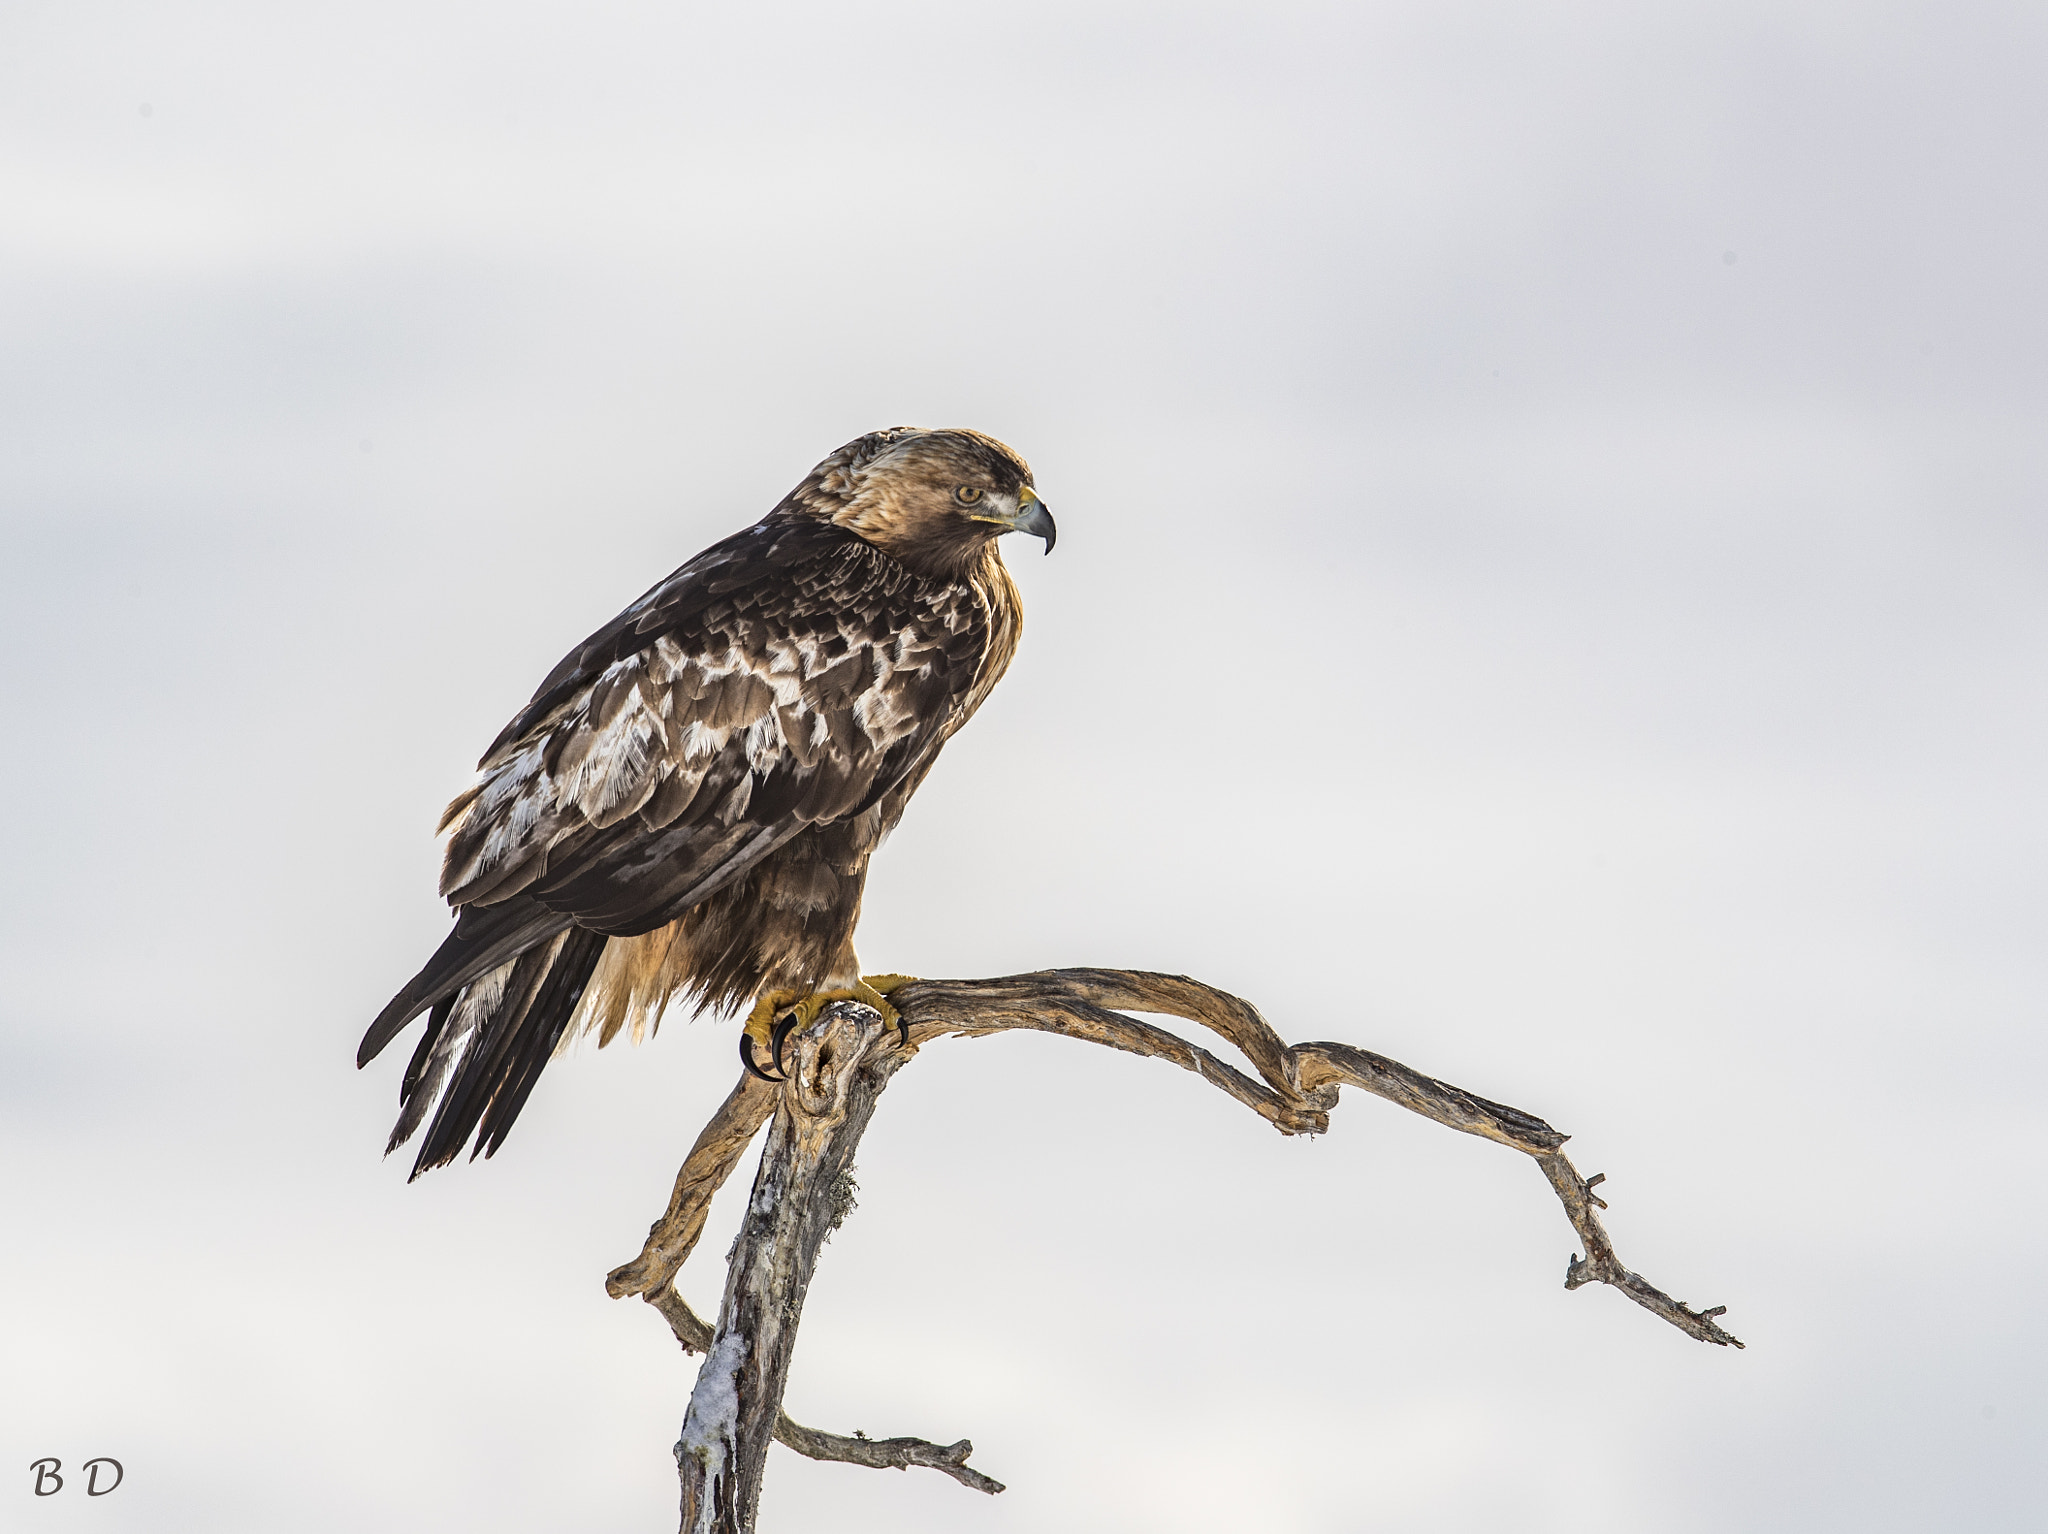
x=789, y=676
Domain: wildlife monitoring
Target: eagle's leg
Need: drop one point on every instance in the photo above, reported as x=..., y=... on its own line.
x=761, y=1029
x=778, y=1014
x=880, y=986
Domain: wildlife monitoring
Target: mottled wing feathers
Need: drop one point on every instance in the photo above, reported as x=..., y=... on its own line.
x=687, y=804
x=788, y=676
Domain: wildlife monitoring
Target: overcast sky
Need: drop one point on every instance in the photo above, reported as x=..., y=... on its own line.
x=1550, y=588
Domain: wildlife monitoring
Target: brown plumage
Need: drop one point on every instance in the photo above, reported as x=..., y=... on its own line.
x=687, y=806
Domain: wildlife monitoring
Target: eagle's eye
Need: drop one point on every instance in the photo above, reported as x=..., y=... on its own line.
x=967, y=495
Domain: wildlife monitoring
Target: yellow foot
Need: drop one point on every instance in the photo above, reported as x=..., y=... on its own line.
x=798, y=1010
x=873, y=991
x=761, y=1021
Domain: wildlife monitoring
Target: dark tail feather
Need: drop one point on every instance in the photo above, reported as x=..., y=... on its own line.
x=423, y=1076
x=505, y=1052
x=416, y=1068
x=542, y=1030
x=484, y=937
x=494, y=1001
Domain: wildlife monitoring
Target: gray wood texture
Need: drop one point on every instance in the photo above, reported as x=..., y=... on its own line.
x=837, y=1069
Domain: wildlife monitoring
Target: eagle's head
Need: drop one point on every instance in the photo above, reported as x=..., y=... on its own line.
x=933, y=499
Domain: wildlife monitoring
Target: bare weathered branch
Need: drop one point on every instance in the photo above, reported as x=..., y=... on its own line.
x=1453, y=1107
x=1600, y=1265
x=1300, y=1084
x=691, y=1329
x=1049, y=1001
x=843, y=1061
x=671, y=1238
x=694, y=1333
x=1459, y=1109
x=840, y=1065
x=886, y=1453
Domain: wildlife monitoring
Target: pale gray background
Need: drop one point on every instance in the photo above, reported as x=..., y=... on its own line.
x=1550, y=588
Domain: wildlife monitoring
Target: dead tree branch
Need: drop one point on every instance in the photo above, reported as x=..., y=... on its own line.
x=694, y=1333
x=802, y=1191
x=843, y=1061
x=1299, y=1089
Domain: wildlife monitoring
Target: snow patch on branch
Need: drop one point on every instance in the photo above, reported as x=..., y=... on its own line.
x=714, y=1414
x=711, y=1426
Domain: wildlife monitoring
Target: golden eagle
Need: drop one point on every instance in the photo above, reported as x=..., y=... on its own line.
x=687, y=806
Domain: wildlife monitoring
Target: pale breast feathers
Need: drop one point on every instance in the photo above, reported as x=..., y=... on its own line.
x=760, y=685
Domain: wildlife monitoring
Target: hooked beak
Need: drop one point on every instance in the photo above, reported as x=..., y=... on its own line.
x=1033, y=518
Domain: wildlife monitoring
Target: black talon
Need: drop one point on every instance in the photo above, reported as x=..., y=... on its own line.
x=747, y=1059
x=903, y=1028
x=776, y=1039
